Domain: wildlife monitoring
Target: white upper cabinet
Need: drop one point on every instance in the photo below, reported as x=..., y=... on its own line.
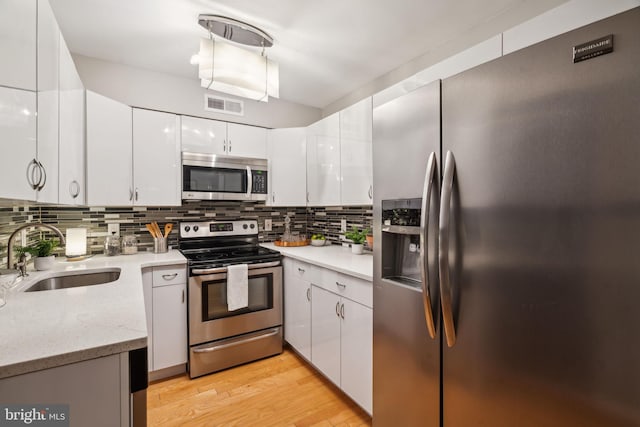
x=18, y=143
x=287, y=154
x=18, y=44
x=71, y=177
x=355, y=154
x=204, y=136
x=216, y=137
x=156, y=158
x=246, y=141
x=323, y=162
x=109, y=152
x=48, y=101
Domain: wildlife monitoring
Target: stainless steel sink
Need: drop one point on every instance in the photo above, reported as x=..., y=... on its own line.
x=64, y=281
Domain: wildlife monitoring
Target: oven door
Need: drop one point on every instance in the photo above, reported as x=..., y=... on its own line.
x=209, y=318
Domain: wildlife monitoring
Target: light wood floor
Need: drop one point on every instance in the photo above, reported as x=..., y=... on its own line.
x=279, y=391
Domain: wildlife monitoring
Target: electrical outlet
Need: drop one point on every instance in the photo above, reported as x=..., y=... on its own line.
x=268, y=224
x=343, y=225
x=113, y=227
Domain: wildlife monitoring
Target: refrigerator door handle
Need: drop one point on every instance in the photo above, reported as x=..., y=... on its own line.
x=443, y=249
x=429, y=179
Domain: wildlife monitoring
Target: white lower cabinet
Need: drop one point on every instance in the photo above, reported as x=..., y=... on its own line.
x=165, y=297
x=341, y=343
x=297, y=307
x=334, y=330
x=96, y=391
x=325, y=333
x=169, y=326
x=356, y=341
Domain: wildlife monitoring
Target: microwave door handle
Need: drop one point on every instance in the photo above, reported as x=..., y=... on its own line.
x=249, y=182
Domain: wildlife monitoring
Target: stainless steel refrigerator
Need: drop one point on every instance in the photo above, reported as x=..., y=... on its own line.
x=509, y=296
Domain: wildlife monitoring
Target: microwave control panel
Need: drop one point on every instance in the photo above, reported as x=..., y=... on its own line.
x=259, y=184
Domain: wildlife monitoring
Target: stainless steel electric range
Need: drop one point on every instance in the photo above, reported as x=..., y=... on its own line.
x=220, y=338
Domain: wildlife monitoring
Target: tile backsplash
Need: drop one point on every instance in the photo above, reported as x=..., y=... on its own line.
x=132, y=220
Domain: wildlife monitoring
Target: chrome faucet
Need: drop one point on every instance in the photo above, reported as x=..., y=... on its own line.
x=22, y=264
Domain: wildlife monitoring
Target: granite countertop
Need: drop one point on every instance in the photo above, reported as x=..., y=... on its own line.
x=334, y=257
x=40, y=330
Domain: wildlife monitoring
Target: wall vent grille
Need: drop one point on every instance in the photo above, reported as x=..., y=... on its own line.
x=223, y=105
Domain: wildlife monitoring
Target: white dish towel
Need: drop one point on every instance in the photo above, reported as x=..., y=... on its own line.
x=237, y=286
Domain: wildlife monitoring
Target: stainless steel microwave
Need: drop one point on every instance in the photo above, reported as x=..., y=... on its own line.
x=215, y=177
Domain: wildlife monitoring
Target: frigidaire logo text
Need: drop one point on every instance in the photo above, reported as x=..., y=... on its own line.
x=600, y=44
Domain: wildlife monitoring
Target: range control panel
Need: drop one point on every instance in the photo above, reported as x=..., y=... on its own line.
x=218, y=228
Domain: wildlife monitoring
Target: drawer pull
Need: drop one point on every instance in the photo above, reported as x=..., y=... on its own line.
x=301, y=270
x=169, y=276
x=341, y=285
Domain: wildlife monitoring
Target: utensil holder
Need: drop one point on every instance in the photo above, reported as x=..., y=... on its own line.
x=160, y=245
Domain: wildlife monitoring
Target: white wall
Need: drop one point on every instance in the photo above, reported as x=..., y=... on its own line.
x=478, y=48
x=159, y=91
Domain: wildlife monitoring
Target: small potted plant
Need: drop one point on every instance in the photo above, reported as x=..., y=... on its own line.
x=358, y=238
x=42, y=253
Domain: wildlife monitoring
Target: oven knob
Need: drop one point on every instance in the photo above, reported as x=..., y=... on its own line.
x=253, y=226
x=187, y=228
x=195, y=228
x=244, y=226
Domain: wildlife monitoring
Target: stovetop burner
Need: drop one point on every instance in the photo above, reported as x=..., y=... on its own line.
x=217, y=244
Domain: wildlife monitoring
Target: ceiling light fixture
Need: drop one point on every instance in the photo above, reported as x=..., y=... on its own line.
x=227, y=68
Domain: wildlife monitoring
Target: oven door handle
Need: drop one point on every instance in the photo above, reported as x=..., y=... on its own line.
x=200, y=271
x=235, y=343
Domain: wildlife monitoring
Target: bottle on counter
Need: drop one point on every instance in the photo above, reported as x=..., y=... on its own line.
x=129, y=245
x=112, y=245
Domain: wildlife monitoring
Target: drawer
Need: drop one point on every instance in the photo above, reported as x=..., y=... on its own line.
x=169, y=275
x=303, y=271
x=358, y=290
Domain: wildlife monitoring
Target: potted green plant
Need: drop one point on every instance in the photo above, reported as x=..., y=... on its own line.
x=42, y=253
x=358, y=238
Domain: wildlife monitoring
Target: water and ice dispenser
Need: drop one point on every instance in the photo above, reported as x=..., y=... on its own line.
x=401, y=241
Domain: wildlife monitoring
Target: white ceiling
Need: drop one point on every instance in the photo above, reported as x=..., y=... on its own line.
x=326, y=49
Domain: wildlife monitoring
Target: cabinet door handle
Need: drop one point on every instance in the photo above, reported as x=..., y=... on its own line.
x=273, y=196
x=224, y=145
x=341, y=285
x=338, y=309
x=31, y=167
x=342, y=311
x=307, y=197
x=136, y=194
x=183, y=296
x=371, y=192
x=169, y=276
x=229, y=145
x=74, y=189
x=130, y=194
x=43, y=177
x=308, y=294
